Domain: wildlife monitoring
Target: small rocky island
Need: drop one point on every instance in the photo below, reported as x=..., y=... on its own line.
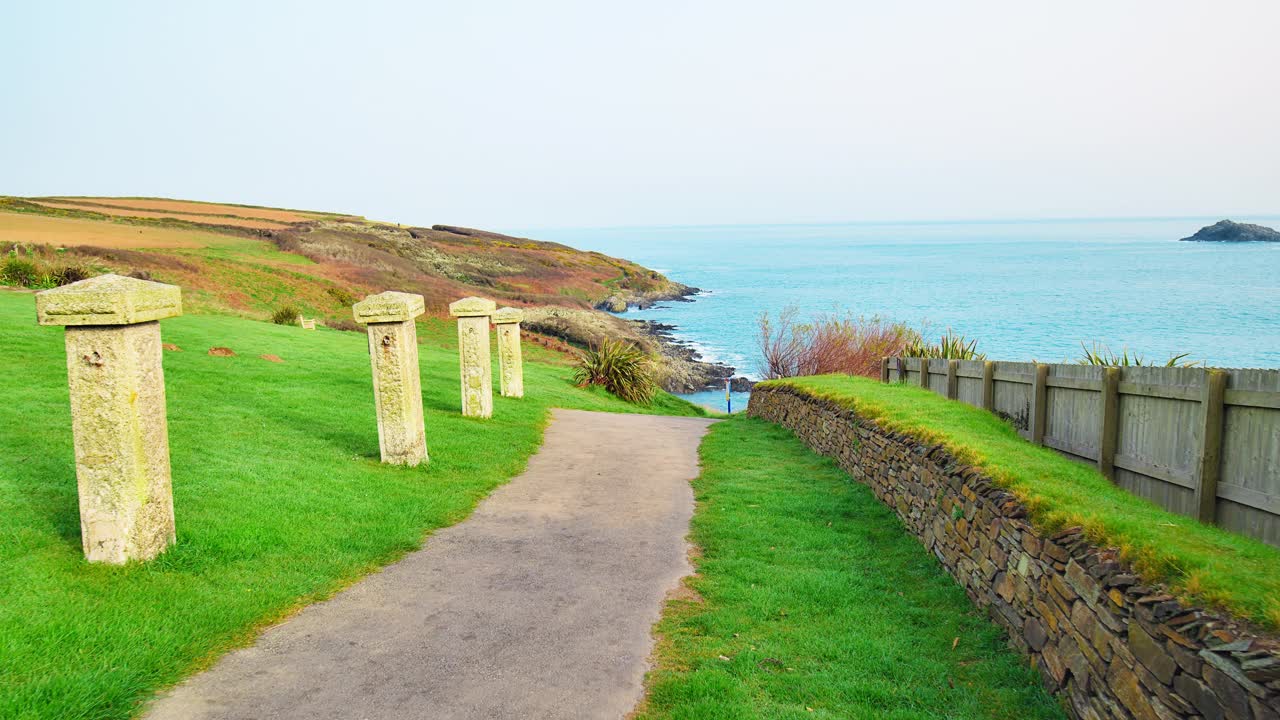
x=1228, y=231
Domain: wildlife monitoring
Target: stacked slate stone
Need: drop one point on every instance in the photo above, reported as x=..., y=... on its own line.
x=1109, y=644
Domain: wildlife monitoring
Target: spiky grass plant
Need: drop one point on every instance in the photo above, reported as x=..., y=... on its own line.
x=949, y=347
x=1102, y=355
x=619, y=367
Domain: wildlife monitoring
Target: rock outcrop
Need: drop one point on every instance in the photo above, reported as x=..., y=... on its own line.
x=1228, y=231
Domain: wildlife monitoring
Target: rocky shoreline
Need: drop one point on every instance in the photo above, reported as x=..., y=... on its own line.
x=686, y=370
x=645, y=299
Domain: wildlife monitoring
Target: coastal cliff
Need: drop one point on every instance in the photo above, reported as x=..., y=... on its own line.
x=1234, y=232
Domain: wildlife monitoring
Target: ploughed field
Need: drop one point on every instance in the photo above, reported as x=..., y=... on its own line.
x=279, y=496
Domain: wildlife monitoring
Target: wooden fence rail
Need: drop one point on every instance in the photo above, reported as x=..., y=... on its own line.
x=1200, y=442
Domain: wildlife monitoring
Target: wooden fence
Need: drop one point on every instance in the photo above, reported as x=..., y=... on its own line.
x=1200, y=442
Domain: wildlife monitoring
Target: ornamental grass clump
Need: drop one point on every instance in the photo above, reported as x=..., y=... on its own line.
x=286, y=315
x=618, y=367
x=949, y=347
x=1104, y=356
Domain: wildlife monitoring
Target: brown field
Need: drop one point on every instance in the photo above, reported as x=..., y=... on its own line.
x=130, y=212
x=67, y=232
x=184, y=206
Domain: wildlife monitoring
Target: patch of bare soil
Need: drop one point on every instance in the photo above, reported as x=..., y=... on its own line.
x=222, y=352
x=69, y=232
x=170, y=347
x=189, y=217
x=272, y=358
x=190, y=207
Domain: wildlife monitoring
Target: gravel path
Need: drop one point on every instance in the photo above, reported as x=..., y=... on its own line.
x=539, y=605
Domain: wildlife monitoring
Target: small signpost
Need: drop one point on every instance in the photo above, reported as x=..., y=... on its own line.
x=728, y=399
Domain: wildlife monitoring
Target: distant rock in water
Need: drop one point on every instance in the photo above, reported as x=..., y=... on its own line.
x=1227, y=231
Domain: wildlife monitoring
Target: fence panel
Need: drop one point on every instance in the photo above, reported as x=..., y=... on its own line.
x=1074, y=410
x=1249, y=490
x=1013, y=393
x=1165, y=423
x=970, y=382
x=1159, y=434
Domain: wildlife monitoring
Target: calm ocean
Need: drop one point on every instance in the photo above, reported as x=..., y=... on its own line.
x=1024, y=290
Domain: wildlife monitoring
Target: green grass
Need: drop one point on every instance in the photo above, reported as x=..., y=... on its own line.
x=279, y=496
x=1201, y=563
x=816, y=603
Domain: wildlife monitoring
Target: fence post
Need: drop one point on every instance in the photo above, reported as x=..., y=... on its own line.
x=1215, y=386
x=1109, y=434
x=1039, y=397
x=924, y=373
x=884, y=370
x=953, y=379
x=989, y=386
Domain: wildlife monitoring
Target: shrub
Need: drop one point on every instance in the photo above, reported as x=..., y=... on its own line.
x=286, y=315
x=949, y=347
x=69, y=274
x=17, y=270
x=342, y=296
x=1103, y=355
x=618, y=367
x=344, y=324
x=829, y=343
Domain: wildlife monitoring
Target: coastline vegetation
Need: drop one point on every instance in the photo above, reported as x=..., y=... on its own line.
x=1102, y=355
x=828, y=343
x=39, y=267
x=1201, y=563
x=279, y=493
x=811, y=601
x=622, y=369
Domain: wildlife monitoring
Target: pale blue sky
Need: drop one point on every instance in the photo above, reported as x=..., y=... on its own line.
x=519, y=114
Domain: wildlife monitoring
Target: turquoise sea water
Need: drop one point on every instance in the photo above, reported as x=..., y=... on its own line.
x=1024, y=290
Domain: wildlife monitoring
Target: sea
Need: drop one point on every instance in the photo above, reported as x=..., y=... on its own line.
x=1025, y=290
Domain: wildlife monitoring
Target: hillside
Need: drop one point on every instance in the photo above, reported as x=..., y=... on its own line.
x=250, y=261
x=246, y=259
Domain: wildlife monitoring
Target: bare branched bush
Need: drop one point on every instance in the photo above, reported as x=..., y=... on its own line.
x=829, y=343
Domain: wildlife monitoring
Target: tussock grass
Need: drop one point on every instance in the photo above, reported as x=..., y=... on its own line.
x=1201, y=563
x=812, y=601
x=279, y=495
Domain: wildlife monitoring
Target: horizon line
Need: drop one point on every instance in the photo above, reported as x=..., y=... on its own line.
x=945, y=221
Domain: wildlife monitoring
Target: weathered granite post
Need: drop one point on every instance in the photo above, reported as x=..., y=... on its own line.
x=510, y=361
x=118, y=417
x=473, y=354
x=397, y=386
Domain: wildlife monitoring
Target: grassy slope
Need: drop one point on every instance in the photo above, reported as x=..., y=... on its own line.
x=817, y=604
x=236, y=270
x=279, y=495
x=1202, y=563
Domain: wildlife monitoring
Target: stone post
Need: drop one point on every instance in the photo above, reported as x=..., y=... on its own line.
x=473, y=355
x=118, y=416
x=397, y=386
x=510, y=362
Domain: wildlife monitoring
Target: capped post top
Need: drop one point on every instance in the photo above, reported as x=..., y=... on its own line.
x=108, y=300
x=506, y=316
x=472, y=307
x=389, y=306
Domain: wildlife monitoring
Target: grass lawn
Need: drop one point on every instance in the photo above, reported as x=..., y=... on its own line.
x=816, y=603
x=279, y=496
x=1202, y=563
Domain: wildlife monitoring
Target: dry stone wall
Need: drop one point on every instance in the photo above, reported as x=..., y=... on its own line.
x=1110, y=645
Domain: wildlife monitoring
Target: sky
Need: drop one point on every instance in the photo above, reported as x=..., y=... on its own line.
x=587, y=114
